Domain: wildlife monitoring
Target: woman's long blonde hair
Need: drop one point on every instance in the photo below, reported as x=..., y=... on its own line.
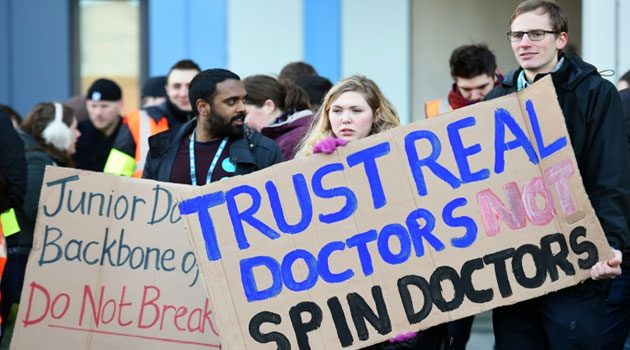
x=384, y=112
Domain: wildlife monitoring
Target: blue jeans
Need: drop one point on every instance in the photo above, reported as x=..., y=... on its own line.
x=617, y=323
x=571, y=318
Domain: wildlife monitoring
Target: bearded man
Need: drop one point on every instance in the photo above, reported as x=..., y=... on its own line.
x=214, y=145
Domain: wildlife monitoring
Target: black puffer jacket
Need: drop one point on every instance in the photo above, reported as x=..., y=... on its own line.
x=251, y=152
x=594, y=118
x=12, y=166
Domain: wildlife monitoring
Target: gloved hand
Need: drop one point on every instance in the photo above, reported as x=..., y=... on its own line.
x=328, y=145
x=402, y=337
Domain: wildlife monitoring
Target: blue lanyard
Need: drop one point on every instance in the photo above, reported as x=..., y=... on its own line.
x=191, y=153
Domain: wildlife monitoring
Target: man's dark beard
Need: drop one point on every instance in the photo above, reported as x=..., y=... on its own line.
x=219, y=127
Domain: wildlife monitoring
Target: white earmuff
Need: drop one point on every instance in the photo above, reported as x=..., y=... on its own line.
x=57, y=133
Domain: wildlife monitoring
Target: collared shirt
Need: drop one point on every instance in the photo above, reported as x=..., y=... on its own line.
x=522, y=82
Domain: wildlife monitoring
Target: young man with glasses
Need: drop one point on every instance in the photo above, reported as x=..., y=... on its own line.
x=571, y=318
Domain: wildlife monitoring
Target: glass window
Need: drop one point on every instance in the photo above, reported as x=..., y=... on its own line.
x=109, y=46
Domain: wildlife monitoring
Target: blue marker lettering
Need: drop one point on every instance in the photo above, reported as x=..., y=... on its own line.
x=304, y=200
x=461, y=153
x=287, y=273
x=367, y=157
x=502, y=118
x=401, y=233
x=200, y=205
x=544, y=151
x=416, y=164
x=323, y=264
x=360, y=241
x=252, y=293
x=418, y=232
x=62, y=191
x=461, y=221
x=351, y=200
x=247, y=215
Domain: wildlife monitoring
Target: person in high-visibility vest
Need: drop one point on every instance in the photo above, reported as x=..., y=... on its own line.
x=128, y=154
x=474, y=71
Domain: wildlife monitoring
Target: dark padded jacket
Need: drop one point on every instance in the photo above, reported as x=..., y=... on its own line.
x=288, y=133
x=594, y=118
x=12, y=166
x=36, y=159
x=251, y=152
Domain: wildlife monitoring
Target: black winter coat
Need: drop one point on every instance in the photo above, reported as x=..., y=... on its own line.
x=251, y=152
x=12, y=166
x=594, y=118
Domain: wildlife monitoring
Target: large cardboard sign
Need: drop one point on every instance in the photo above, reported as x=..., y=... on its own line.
x=111, y=268
x=427, y=223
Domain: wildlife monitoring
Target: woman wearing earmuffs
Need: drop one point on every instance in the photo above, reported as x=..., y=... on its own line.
x=50, y=135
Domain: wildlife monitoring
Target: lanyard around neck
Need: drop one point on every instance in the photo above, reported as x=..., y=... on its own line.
x=191, y=153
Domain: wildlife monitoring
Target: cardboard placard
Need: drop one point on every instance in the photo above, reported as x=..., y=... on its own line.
x=111, y=268
x=409, y=228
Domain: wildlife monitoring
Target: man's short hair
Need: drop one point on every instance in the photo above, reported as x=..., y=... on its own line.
x=559, y=21
x=183, y=65
x=469, y=61
x=204, y=85
x=626, y=77
x=294, y=70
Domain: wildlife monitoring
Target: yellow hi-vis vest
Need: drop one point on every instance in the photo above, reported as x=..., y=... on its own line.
x=8, y=223
x=141, y=126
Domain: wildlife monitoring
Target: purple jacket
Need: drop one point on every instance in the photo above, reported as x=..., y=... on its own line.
x=287, y=132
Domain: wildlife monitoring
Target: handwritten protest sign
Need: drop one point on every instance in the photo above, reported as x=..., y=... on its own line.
x=111, y=268
x=427, y=223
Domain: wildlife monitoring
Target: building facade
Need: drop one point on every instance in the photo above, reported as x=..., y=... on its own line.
x=54, y=49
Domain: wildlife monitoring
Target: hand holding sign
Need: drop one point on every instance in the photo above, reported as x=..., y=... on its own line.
x=608, y=268
x=328, y=145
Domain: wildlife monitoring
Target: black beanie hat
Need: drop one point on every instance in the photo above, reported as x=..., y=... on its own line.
x=154, y=87
x=104, y=90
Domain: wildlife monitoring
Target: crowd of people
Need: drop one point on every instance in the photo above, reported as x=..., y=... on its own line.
x=198, y=126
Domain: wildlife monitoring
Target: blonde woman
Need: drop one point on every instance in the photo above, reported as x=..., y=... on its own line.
x=353, y=109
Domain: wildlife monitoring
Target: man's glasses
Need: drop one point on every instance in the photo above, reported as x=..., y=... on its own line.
x=534, y=35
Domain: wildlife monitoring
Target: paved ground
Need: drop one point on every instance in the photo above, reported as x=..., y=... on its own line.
x=481, y=337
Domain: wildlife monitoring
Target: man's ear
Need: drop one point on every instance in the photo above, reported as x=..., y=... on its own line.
x=562, y=40
x=120, y=105
x=203, y=107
